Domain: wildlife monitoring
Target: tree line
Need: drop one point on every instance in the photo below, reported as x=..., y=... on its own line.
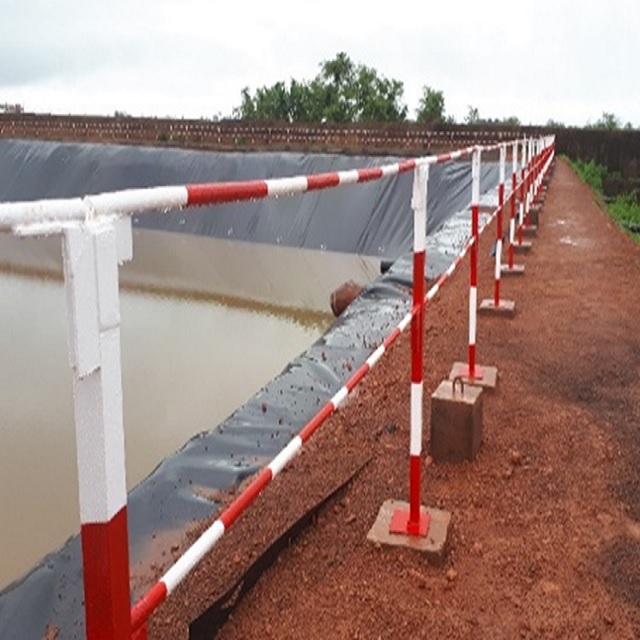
x=344, y=92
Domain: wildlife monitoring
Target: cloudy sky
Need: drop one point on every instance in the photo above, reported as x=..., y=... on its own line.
x=536, y=59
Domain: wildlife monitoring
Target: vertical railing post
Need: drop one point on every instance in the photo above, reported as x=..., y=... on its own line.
x=542, y=151
x=416, y=522
x=523, y=171
x=91, y=253
x=514, y=198
x=471, y=372
x=529, y=185
x=474, y=371
x=496, y=292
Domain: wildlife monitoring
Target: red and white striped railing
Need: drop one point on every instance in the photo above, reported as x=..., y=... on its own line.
x=412, y=523
x=97, y=235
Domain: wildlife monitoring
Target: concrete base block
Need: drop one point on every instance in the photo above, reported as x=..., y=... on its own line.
x=506, y=308
x=516, y=270
x=534, y=216
x=488, y=378
x=433, y=545
x=456, y=422
x=530, y=231
x=522, y=247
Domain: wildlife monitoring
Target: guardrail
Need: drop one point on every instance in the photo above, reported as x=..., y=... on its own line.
x=97, y=236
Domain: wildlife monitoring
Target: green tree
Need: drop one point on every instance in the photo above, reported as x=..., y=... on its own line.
x=608, y=121
x=431, y=107
x=341, y=92
x=510, y=121
x=473, y=115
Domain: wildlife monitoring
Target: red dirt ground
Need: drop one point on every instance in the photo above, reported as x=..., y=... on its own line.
x=546, y=521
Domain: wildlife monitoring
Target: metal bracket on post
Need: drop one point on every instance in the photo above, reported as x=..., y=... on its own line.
x=91, y=253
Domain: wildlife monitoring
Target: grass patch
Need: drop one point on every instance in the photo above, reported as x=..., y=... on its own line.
x=624, y=209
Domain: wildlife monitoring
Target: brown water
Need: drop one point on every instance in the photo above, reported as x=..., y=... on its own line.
x=188, y=362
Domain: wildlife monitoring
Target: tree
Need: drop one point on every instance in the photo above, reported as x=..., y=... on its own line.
x=473, y=115
x=608, y=121
x=431, y=107
x=510, y=121
x=341, y=92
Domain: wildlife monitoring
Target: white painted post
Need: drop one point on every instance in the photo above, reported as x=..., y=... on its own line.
x=523, y=173
x=91, y=254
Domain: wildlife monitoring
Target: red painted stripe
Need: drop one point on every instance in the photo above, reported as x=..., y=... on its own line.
x=105, y=566
x=475, y=215
x=317, y=420
x=391, y=338
x=323, y=181
x=417, y=320
x=473, y=281
x=472, y=360
x=365, y=175
x=406, y=165
x=414, y=490
x=216, y=193
x=237, y=507
x=143, y=609
x=443, y=157
x=357, y=376
x=475, y=218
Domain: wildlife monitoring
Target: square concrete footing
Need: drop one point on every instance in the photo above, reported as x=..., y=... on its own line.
x=456, y=422
x=433, y=545
x=522, y=247
x=516, y=270
x=505, y=308
x=534, y=216
x=486, y=377
x=530, y=231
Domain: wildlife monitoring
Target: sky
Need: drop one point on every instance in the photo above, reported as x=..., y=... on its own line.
x=535, y=59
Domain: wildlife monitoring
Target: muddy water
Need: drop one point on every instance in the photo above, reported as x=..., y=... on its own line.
x=188, y=361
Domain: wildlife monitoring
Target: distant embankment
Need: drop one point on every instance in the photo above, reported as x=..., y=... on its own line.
x=618, y=150
x=406, y=139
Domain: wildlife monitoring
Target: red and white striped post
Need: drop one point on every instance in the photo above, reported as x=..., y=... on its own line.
x=496, y=305
x=496, y=292
x=523, y=171
x=474, y=371
x=529, y=181
x=415, y=522
x=471, y=371
x=514, y=197
x=91, y=255
x=542, y=152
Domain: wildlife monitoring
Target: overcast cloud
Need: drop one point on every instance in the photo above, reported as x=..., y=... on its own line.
x=536, y=59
